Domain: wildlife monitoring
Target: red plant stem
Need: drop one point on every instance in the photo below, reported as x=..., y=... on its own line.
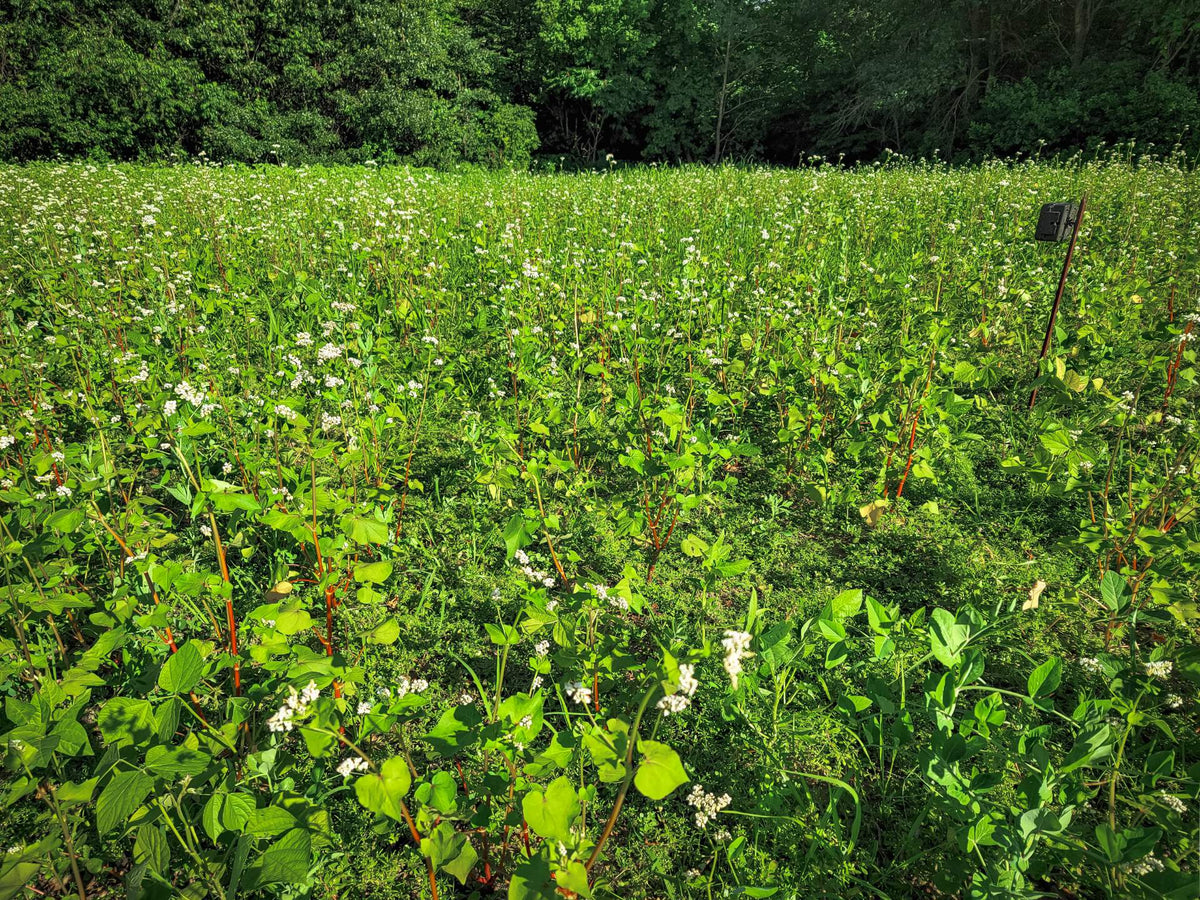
x=413, y=449
x=912, y=439
x=1173, y=368
x=231, y=618
x=169, y=638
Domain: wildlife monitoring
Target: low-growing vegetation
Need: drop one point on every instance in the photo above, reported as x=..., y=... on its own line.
x=370, y=532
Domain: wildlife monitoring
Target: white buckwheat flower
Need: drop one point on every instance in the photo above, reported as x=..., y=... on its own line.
x=1147, y=865
x=707, y=805
x=673, y=704
x=1173, y=802
x=579, y=692
x=350, y=765
x=1160, y=669
x=737, y=645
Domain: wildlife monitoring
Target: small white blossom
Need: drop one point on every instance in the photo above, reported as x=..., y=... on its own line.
x=737, y=645
x=1160, y=669
x=706, y=805
x=350, y=765
x=1174, y=803
x=579, y=692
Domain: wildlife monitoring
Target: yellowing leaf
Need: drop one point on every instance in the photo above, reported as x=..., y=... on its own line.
x=1035, y=593
x=873, y=511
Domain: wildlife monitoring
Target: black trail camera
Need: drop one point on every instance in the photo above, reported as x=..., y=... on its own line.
x=1056, y=221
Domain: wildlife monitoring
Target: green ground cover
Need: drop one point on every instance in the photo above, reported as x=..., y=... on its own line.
x=370, y=532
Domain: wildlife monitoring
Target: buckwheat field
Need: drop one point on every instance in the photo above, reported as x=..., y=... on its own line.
x=371, y=532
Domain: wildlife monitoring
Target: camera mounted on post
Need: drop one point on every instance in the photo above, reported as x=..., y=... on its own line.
x=1056, y=221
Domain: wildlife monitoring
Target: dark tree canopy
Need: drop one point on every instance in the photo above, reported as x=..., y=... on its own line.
x=494, y=81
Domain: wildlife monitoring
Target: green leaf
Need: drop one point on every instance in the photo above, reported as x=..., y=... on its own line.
x=504, y=635
x=385, y=632
x=375, y=573
x=1045, y=679
x=846, y=604
x=947, y=637
x=1056, y=442
x=66, y=520
x=608, y=749
x=515, y=534
x=440, y=793
x=126, y=720
x=228, y=812
x=293, y=621
x=456, y=729
x=288, y=859
x=120, y=797
x=574, y=878
x=660, y=770
x=182, y=671
x=532, y=880
x=460, y=867
x=1114, y=591
x=230, y=502
x=150, y=848
x=1092, y=745
x=365, y=531
x=1108, y=841
x=383, y=793
x=172, y=762
x=550, y=813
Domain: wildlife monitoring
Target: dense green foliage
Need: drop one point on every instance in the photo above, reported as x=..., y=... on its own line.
x=636, y=534
x=492, y=81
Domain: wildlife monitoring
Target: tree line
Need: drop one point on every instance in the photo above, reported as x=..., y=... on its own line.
x=498, y=82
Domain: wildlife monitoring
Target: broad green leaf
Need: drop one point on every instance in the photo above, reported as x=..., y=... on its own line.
x=120, y=797
x=947, y=637
x=660, y=770
x=366, y=531
x=375, y=573
x=551, y=812
x=126, y=720
x=386, y=632
x=287, y=860
x=182, y=670
x=150, y=848
x=456, y=729
x=846, y=604
x=383, y=793
x=1045, y=679
x=1114, y=591
x=230, y=502
x=65, y=520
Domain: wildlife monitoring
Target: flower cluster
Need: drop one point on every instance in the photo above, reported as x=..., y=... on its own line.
x=737, y=645
x=404, y=687
x=295, y=706
x=1147, y=865
x=673, y=704
x=579, y=692
x=531, y=573
x=1173, y=802
x=1160, y=669
x=352, y=764
x=707, y=805
x=614, y=600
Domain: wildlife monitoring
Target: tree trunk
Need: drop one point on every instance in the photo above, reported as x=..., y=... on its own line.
x=721, y=100
x=1085, y=10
